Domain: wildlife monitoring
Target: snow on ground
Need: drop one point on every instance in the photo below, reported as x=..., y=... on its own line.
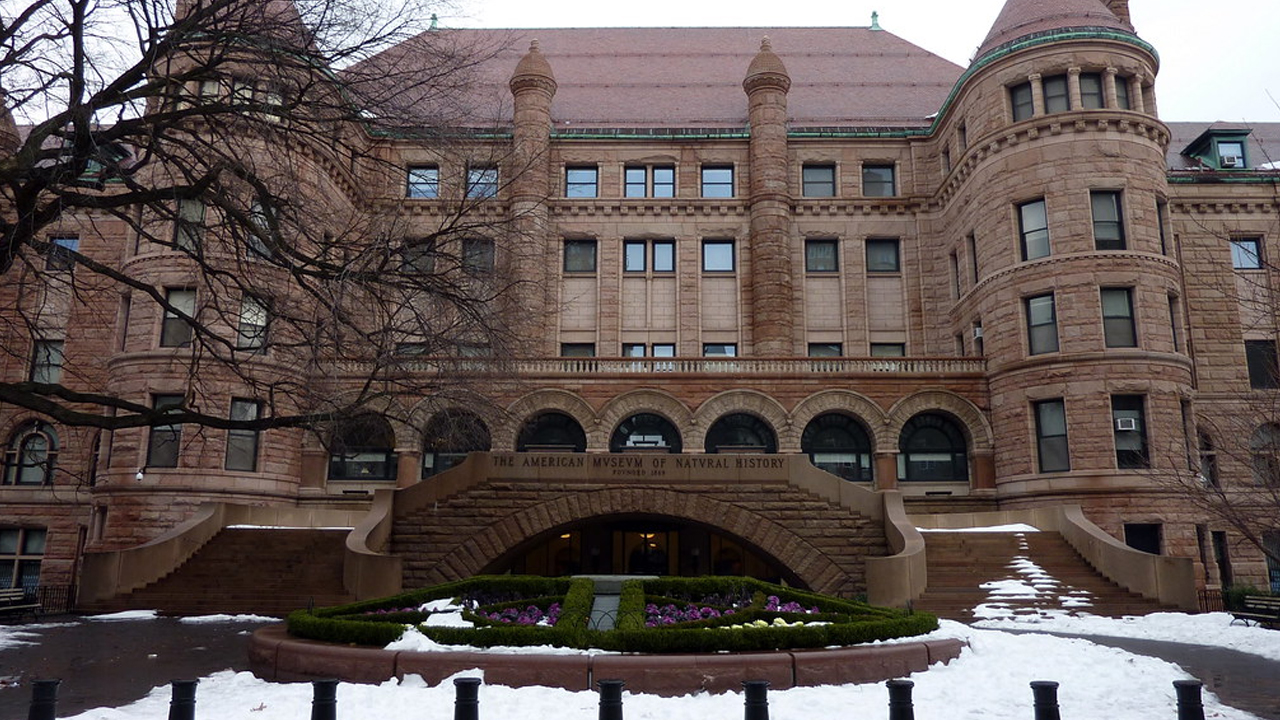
x=126, y=615
x=203, y=619
x=988, y=682
x=1052, y=597
x=1210, y=629
x=1015, y=527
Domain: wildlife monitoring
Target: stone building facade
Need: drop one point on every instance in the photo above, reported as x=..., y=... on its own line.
x=1002, y=287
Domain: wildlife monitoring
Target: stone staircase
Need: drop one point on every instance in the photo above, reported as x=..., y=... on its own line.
x=266, y=571
x=980, y=575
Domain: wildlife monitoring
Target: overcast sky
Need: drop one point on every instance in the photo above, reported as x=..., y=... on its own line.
x=1218, y=61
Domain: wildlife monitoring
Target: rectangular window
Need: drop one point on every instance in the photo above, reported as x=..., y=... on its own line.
x=818, y=180
x=1122, y=93
x=633, y=350
x=46, y=361
x=577, y=350
x=482, y=182
x=658, y=181
x=826, y=350
x=717, y=256
x=175, y=330
x=21, y=550
x=971, y=249
x=1108, y=225
x=579, y=256
x=164, y=440
x=477, y=256
x=878, y=181
x=251, y=334
x=635, y=255
x=954, y=264
x=1117, y=318
x=1162, y=210
x=888, y=350
x=882, y=256
x=1056, y=96
x=1260, y=355
x=717, y=182
x=581, y=182
x=1022, y=101
x=1231, y=154
x=1051, y=436
x=422, y=182
x=1033, y=229
x=1128, y=419
x=61, y=253
x=664, y=350
x=1042, y=324
x=187, y=227
x=1173, y=323
x=720, y=350
x=1246, y=253
x=242, y=445
x=821, y=256
x=418, y=256
x=1091, y=95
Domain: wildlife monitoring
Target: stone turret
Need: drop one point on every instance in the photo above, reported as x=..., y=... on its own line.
x=769, y=292
x=533, y=86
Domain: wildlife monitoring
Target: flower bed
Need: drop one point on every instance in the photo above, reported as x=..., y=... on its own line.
x=662, y=615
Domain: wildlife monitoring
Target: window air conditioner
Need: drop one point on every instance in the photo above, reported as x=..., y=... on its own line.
x=1126, y=424
x=977, y=333
x=1230, y=161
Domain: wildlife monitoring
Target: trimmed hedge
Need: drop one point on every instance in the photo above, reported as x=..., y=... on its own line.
x=848, y=622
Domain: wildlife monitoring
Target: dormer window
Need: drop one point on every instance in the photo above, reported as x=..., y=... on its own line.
x=1231, y=154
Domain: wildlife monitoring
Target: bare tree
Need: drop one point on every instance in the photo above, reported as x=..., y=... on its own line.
x=220, y=170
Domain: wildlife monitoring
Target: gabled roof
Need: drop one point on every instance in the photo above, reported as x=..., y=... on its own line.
x=692, y=77
x=1020, y=18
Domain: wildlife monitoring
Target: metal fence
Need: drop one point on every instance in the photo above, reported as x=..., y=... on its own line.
x=1211, y=601
x=324, y=703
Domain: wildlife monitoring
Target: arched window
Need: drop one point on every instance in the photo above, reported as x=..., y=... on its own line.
x=1264, y=446
x=448, y=437
x=741, y=433
x=645, y=431
x=838, y=444
x=31, y=454
x=932, y=448
x=551, y=432
x=362, y=448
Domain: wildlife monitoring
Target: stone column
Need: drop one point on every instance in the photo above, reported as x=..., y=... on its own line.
x=1109, y=88
x=984, y=471
x=886, y=471
x=530, y=259
x=1073, y=88
x=767, y=280
x=408, y=467
x=1037, y=94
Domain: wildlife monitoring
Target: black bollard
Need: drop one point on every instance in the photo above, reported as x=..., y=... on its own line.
x=610, y=699
x=466, y=705
x=44, y=700
x=1046, y=695
x=1189, y=705
x=324, y=700
x=182, y=703
x=757, y=702
x=900, y=705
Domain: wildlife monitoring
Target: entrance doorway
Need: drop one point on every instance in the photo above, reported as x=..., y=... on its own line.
x=641, y=546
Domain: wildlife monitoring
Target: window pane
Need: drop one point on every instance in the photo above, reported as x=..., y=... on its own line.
x=820, y=256
x=579, y=350
x=580, y=183
x=720, y=350
x=1108, y=228
x=477, y=255
x=664, y=256
x=423, y=182
x=818, y=180
x=1091, y=91
x=1042, y=324
x=1035, y=230
x=888, y=350
x=1051, y=433
x=59, y=258
x=1130, y=431
x=1122, y=93
x=1056, y=98
x=826, y=350
x=1023, y=105
x=1117, y=318
x=46, y=363
x=633, y=259
x=634, y=182
x=664, y=350
x=482, y=182
x=882, y=256
x=717, y=256
x=580, y=256
x=175, y=332
x=633, y=350
x=1260, y=355
x=877, y=181
x=1245, y=254
x=717, y=182
x=664, y=182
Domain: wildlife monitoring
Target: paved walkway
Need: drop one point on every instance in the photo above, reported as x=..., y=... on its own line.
x=104, y=663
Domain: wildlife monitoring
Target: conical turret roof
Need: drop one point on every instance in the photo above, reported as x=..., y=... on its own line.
x=1021, y=18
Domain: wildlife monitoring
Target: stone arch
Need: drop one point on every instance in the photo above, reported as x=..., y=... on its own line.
x=641, y=401
x=972, y=420
x=547, y=400
x=428, y=407
x=489, y=545
x=748, y=401
x=870, y=414
x=390, y=409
